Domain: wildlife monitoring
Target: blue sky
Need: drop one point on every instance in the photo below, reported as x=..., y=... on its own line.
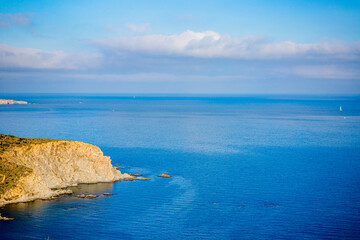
x=236, y=47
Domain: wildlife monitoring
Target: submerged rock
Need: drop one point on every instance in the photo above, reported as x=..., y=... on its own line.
x=108, y=194
x=270, y=205
x=164, y=175
x=71, y=208
x=121, y=167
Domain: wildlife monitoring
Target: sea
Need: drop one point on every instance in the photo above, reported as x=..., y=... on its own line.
x=243, y=166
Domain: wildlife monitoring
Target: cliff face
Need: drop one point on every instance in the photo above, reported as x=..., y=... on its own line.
x=31, y=169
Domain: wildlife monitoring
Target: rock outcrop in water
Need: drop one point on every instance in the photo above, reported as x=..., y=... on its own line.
x=6, y=101
x=5, y=218
x=39, y=168
x=164, y=175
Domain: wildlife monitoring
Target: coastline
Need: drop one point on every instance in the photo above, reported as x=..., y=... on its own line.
x=43, y=168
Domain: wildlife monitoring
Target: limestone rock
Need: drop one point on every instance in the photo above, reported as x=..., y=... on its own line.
x=129, y=179
x=164, y=175
x=5, y=218
x=92, y=196
x=6, y=101
x=52, y=165
x=141, y=178
x=87, y=196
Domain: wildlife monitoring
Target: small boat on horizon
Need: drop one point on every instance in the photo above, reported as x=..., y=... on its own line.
x=340, y=109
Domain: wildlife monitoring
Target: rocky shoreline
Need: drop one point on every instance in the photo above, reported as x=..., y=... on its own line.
x=33, y=169
x=5, y=218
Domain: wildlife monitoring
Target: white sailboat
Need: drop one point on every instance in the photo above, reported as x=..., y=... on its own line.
x=340, y=109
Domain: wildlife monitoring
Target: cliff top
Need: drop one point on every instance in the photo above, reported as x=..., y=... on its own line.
x=8, y=141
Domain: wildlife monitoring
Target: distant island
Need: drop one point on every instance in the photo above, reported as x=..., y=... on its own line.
x=7, y=101
x=33, y=168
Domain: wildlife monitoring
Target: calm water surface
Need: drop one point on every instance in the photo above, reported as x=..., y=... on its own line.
x=261, y=167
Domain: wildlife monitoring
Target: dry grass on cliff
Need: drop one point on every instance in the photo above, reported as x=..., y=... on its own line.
x=10, y=173
x=8, y=141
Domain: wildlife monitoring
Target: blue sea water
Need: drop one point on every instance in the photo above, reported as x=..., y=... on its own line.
x=244, y=167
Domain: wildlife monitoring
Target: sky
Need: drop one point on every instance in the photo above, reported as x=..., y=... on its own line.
x=196, y=47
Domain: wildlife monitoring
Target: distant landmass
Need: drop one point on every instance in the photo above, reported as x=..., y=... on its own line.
x=7, y=101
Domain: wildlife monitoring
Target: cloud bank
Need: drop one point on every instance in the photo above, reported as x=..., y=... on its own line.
x=323, y=72
x=210, y=44
x=191, y=55
x=30, y=58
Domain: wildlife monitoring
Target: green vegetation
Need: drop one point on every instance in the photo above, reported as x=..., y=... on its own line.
x=10, y=173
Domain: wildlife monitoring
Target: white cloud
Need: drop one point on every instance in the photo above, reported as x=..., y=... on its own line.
x=132, y=77
x=211, y=44
x=129, y=77
x=139, y=28
x=322, y=72
x=112, y=28
x=184, y=17
x=153, y=76
x=6, y=20
x=13, y=57
x=326, y=59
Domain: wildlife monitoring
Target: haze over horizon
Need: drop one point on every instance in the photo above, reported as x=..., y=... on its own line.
x=205, y=47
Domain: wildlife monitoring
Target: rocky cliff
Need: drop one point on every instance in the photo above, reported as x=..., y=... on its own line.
x=40, y=168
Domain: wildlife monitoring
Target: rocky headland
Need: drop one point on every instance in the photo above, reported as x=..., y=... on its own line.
x=6, y=101
x=41, y=168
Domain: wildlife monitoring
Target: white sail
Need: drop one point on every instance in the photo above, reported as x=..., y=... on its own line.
x=340, y=109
